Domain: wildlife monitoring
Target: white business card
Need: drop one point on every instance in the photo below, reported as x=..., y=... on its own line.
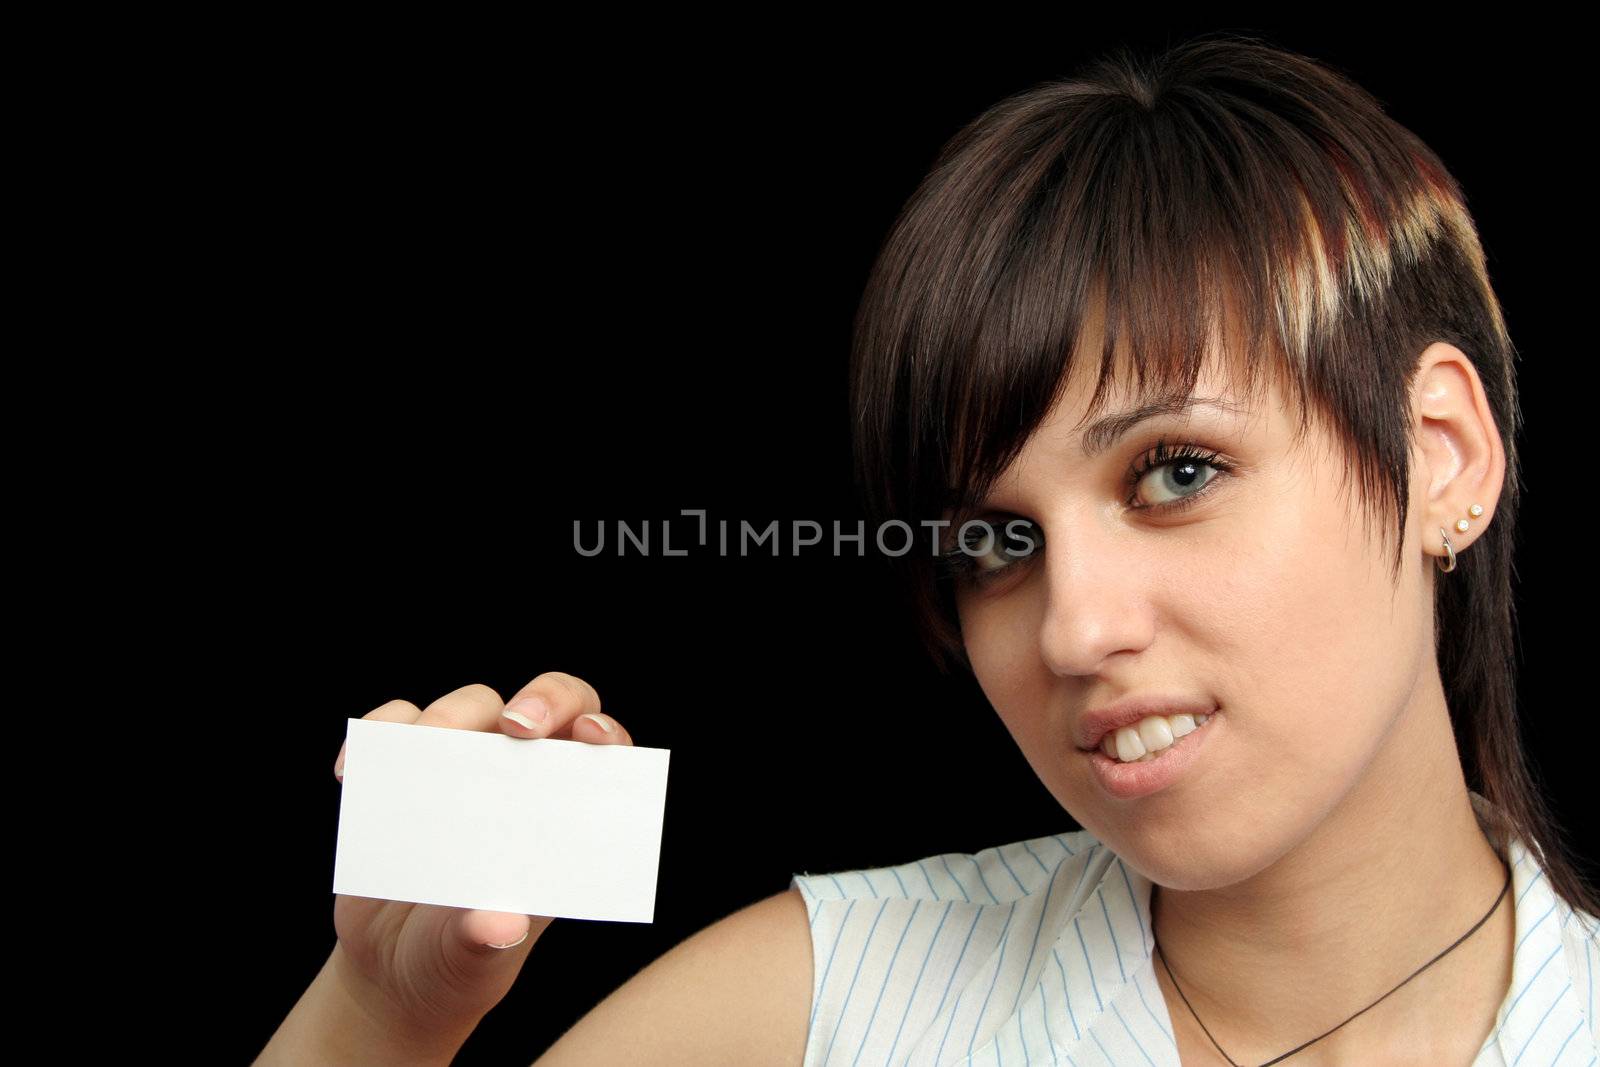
x=471, y=819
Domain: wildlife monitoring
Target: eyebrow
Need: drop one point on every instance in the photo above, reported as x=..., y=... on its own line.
x=1103, y=433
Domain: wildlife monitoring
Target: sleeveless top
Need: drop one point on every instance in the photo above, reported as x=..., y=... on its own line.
x=1041, y=952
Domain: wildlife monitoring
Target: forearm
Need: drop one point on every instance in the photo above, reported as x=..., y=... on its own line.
x=340, y=1021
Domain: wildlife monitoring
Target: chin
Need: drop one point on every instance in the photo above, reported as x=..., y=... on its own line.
x=1187, y=857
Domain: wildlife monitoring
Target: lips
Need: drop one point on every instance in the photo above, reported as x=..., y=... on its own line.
x=1094, y=725
x=1139, y=779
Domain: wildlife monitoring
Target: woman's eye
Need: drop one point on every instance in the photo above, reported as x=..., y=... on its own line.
x=1173, y=481
x=984, y=549
x=1167, y=480
x=1170, y=479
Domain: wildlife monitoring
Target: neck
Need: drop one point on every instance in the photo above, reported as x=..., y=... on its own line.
x=1394, y=875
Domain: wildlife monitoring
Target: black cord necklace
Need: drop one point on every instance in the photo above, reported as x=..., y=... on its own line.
x=1369, y=1007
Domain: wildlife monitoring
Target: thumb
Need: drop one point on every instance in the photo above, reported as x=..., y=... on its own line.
x=478, y=934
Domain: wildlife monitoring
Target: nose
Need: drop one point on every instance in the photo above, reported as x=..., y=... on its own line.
x=1097, y=601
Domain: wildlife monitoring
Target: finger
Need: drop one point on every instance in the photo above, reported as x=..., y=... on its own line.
x=547, y=706
x=394, y=711
x=472, y=707
x=480, y=935
x=490, y=929
x=598, y=728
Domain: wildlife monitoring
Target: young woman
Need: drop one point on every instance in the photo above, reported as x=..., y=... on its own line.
x=1198, y=364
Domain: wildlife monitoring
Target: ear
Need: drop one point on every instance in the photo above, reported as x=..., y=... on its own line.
x=1459, y=456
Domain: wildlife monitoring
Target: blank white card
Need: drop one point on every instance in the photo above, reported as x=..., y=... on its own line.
x=470, y=819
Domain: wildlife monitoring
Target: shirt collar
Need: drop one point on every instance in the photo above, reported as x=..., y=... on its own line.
x=1540, y=1011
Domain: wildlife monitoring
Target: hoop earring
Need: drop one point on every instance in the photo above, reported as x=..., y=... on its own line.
x=1449, y=550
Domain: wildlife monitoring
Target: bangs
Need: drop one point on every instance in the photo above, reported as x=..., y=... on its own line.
x=1137, y=229
x=1140, y=350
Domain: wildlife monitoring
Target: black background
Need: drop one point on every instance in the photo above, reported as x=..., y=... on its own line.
x=457, y=287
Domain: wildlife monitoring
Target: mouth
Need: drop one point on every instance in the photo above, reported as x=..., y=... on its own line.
x=1153, y=771
x=1108, y=746
x=1179, y=711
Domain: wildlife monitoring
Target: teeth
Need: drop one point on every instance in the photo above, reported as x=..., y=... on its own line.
x=1149, y=737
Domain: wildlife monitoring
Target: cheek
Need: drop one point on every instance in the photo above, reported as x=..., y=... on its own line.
x=1002, y=641
x=1317, y=647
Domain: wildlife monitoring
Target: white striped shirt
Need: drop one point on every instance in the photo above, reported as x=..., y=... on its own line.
x=1041, y=952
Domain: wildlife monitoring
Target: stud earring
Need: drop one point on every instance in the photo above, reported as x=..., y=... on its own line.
x=1461, y=527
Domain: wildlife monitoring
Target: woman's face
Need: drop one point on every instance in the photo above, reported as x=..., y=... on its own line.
x=1263, y=596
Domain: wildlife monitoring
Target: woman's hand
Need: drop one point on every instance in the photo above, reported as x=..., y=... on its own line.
x=423, y=975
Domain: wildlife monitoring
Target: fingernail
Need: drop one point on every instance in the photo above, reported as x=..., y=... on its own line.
x=601, y=721
x=338, y=767
x=513, y=944
x=527, y=712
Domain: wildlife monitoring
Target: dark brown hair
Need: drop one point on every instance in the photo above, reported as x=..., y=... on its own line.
x=1224, y=185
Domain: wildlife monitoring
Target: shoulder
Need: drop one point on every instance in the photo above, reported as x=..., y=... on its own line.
x=1578, y=927
x=999, y=875
x=1579, y=930
x=1580, y=944
x=990, y=896
x=1556, y=959
x=1005, y=946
